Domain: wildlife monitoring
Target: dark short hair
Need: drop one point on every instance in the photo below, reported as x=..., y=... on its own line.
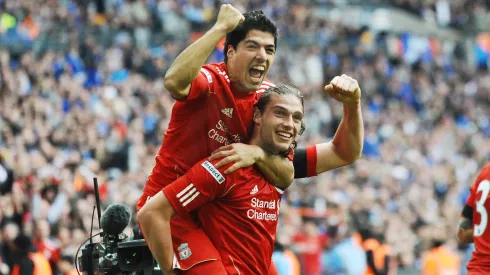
x=254, y=20
x=284, y=89
x=23, y=244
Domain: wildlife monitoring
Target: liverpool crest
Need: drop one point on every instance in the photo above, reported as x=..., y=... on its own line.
x=184, y=251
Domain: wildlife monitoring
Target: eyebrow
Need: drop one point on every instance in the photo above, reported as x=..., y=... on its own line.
x=258, y=44
x=287, y=110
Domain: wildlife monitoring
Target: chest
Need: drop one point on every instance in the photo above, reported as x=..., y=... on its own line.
x=228, y=120
x=257, y=199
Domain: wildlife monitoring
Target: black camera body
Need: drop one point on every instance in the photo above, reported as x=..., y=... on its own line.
x=116, y=255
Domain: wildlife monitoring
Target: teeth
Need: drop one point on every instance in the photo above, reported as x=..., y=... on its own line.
x=286, y=135
x=259, y=68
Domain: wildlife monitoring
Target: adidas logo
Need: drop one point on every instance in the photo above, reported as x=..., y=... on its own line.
x=228, y=112
x=254, y=191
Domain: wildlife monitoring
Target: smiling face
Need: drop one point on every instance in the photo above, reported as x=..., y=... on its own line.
x=280, y=123
x=249, y=63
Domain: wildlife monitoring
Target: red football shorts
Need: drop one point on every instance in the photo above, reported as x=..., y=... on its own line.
x=191, y=245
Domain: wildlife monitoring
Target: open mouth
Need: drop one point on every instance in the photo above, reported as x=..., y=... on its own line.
x=284, y=135
x=256, y=72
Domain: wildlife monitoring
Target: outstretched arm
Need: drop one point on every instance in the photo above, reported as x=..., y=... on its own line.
x=346, y=146
x=188, y=64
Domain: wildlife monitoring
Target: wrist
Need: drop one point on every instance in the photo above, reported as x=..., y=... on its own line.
x=354, y=106
x=219, y=29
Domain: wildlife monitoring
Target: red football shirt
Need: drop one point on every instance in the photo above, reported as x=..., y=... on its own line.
x=238, y=212
x=478, y=200
x=212, y=115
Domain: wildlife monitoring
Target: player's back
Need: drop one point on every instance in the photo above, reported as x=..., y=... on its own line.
x=210, y=117
x=480, y=202
x=242, y=224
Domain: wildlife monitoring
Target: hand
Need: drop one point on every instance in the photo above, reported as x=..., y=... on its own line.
x=344, y=89
x=242, y=154
x=229, y=18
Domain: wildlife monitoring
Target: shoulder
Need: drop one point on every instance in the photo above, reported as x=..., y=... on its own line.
x=216, y=70
x=208, y=168
x=484, y=175
x=266, y=84
x=485, y=172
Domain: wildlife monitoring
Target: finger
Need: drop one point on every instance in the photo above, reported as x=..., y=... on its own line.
x=335, y=81
x=220, y=155
x=355, y=85
x=328, y=88
x=346, y=85
x=223, y=148
x=226, y=160
x=233, y=168
x=340, y=83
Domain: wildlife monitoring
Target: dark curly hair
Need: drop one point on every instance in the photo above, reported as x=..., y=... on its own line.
x=254, y=20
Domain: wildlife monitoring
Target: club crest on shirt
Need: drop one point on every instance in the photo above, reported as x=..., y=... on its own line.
x=184, y=251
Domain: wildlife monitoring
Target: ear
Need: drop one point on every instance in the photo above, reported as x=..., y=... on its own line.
x=230, y=52
x=256, y=116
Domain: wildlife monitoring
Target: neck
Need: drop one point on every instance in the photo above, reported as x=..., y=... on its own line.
x=255, y=140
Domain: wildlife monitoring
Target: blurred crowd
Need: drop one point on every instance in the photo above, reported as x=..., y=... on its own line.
x=82, y=96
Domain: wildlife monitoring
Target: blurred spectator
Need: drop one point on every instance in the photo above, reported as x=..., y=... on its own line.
x=284, y=267
x=65, y=266
x=6, y=178
x=10, y=231
x=379, y=257
x=440, y=259
x=343, y=255
x=308, y=244
x=44, y=244
x=28, y=261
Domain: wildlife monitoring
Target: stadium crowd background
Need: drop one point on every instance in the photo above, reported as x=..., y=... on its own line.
x=81, y=95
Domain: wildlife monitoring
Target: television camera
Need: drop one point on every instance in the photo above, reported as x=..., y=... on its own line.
x=116, y=254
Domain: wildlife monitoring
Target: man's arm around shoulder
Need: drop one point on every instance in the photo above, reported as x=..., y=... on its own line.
x=276, y=169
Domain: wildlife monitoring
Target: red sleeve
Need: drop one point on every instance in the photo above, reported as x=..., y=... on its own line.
x=311, y=161
x=203, y=183
x=484, y=174
x=470, y=201
x=199, y=86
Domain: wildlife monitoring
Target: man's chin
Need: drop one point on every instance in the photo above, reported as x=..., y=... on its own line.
x=282, y=149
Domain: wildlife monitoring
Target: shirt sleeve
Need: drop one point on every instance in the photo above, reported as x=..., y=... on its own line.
x=304, y=162
x=199, y=86
x=203, y=183
x=470, y=201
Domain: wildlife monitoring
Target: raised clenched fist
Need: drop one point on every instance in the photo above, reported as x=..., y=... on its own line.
x=229, y=18
x=344, y=89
